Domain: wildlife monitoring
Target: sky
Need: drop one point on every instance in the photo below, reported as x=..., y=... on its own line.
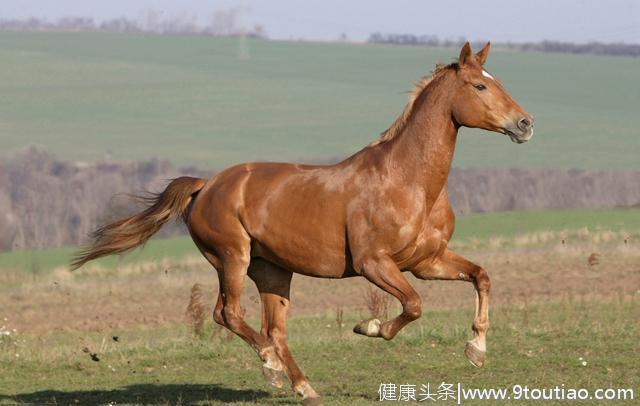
x=495, y=20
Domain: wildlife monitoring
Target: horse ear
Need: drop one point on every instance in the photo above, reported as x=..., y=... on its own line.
x=465, y=54
x=482, y=56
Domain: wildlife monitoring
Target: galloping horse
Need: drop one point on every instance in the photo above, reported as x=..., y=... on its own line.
x=379, y=213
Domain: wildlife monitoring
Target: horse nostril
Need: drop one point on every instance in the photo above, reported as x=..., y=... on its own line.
x=524, y=124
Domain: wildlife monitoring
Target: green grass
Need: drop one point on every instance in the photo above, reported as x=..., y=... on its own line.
x=156, y=249
x=540, y=346
x=509, y=224
x=476, y=226
x=192, y=100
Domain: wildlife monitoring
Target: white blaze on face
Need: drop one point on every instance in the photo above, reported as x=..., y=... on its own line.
x=486, y=74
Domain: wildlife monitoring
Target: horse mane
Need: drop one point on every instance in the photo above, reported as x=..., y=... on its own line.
x=401, y=122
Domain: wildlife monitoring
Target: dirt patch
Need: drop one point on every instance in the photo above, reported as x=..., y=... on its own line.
x=154, y=296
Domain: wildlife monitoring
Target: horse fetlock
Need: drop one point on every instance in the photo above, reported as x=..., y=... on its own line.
x=369, y=328
x=271, y=358
x=480, y=326
x=274, y=377
x=273, y=367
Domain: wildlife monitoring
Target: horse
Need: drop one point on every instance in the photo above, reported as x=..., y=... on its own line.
x=378, y=213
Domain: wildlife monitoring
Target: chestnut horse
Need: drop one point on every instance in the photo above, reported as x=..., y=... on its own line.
x=378, y=213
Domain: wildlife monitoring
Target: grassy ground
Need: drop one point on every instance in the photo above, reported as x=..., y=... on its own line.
x=562, y=314
x=509, y=224
x=580, y=345
x=473, y=229
x=565, y=292
x=196, y=100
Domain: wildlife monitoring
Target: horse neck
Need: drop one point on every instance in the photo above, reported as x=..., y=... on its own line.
x=422, y=153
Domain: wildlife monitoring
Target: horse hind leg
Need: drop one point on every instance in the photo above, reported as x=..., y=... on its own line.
x=274, y=283
x=228, y=313
x=273, y=368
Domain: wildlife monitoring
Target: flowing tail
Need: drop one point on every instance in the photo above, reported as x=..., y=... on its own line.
x=133, y=231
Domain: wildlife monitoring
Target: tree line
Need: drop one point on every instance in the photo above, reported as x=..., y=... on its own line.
x=595, y=48
x=46, y=202
x=227, y=23
x=221, y=23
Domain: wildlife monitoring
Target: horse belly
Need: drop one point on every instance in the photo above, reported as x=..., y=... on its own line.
x=320, y=262
x=303, y=244
x=300, y=229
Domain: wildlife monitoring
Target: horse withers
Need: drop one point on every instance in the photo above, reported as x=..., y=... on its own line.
x=379, y=213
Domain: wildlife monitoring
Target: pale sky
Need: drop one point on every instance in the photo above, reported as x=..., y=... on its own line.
x=496, y=20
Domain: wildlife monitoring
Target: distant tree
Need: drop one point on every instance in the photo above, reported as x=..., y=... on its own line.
x=121, y=24
x=224, y=23
x=45, y=202
x=258, y=32
x=76, y=24
x=150, y=20
x=597, y=48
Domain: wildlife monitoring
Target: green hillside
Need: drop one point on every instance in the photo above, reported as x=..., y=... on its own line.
x=212, y=102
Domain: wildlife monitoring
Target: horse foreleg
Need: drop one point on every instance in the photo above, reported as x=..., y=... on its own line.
x=451, y=266
x=274, y=283
x=384, y=273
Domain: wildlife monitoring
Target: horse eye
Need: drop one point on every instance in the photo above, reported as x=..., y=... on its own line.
x=480, y=87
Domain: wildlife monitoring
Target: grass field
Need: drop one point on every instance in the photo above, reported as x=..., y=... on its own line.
x=169, y=366
x=469, y=229
x=193, y=100
x=557, y=319
x=565, y=294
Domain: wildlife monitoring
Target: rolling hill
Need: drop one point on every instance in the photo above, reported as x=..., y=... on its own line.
x=212, y=102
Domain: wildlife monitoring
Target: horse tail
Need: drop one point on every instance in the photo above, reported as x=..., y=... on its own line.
x=133, y=231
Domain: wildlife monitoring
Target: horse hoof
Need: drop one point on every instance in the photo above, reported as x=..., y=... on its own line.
x=314, y=401
x=369, y=328
x=474, y=354
x=274, y=377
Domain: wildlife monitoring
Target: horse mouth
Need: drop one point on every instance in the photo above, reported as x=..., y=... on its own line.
x=520, y=138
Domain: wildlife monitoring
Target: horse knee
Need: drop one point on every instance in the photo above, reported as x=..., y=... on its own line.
x=413, y=308
x=482, y=280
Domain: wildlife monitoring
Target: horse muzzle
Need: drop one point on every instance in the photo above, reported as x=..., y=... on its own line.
x=522, y=131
